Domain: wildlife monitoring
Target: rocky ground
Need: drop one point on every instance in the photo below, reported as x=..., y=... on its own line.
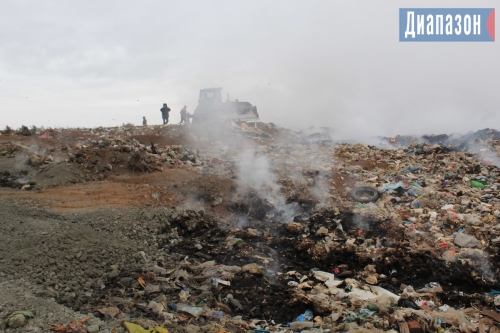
x=240, y=228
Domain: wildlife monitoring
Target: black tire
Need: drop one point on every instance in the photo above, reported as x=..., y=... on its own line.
x=364, y=194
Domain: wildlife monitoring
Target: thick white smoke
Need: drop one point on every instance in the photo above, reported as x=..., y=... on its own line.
x=254, y=173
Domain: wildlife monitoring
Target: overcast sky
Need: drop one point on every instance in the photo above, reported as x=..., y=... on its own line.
x=302, y=63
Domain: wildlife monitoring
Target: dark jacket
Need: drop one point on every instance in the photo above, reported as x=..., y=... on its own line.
x=165, y=111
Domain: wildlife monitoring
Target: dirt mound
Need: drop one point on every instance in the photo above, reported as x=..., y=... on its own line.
x=19, y=173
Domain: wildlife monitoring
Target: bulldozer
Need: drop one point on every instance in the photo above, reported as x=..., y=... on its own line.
x=211, y=108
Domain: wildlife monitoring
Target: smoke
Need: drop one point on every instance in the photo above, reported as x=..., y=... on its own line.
x=486, y=153
x=254, y=173
x=57, y=159
x=192, y=203
x=481, y=263
x=20, y=161
x=307, y=161
x=359, y=221
x=270, y=173
x=241, y=221
x=319, y=160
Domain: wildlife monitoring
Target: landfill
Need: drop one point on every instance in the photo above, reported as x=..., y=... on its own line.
x=247, y=227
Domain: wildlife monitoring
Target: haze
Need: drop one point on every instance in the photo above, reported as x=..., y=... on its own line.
x=302, y=63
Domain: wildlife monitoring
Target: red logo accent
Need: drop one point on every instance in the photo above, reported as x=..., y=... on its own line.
x=491, y=24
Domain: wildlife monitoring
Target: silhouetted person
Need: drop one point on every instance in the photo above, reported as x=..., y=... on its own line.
x=184, y=115
x=164, y=113
x=144, y=121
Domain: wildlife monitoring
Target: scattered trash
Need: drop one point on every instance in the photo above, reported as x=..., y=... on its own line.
x=306, y=316
x=477, y=184
x=364, y=194
x=134, y=328
x=192, y=310
x=298, y=325
x=317, y=234
x=464, y=240
x=18, y=319
x=73, y=327
x=407, y=303
x=392, y=187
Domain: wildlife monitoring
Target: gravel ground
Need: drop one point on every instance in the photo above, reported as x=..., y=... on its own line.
x=48, y=256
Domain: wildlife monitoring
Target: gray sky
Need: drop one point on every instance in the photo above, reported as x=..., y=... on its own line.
x=302, y=63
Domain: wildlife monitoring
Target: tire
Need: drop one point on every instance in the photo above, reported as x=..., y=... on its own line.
x=364, y=194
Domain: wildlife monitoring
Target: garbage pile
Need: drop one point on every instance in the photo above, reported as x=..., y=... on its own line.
x=115, y=147
x=417, y=252
x=319, y=237
x=100, y=156
x=210, y=277
x=93, y=152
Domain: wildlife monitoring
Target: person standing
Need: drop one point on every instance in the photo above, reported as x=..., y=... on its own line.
x=183, y=115
x=144, y=121
x=164, y=113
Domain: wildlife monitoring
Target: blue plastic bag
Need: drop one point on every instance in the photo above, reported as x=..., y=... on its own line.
x=306, y=316
x=392, y=187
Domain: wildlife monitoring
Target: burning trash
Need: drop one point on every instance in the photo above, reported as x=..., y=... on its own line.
x=227, y=230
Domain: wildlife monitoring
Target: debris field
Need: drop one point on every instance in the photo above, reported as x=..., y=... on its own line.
x=247, y=227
